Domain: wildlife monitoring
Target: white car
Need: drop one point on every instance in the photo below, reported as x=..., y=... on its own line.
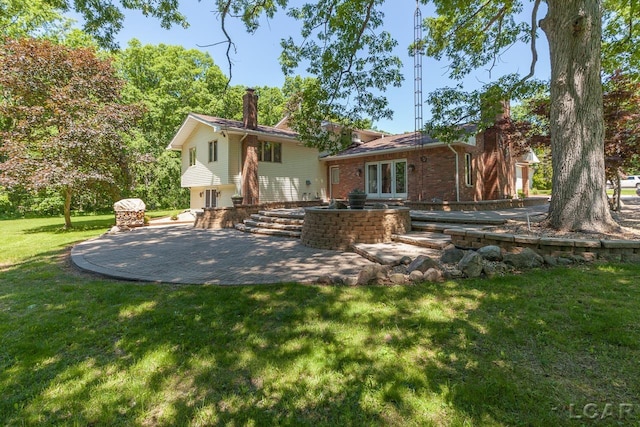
x=631, y=181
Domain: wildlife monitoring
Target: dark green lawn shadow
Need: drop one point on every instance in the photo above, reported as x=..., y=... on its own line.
x=82, y=223
x=488, y=352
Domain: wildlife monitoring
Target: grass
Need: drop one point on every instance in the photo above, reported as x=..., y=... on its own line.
x=550, y=347
x=624, y=192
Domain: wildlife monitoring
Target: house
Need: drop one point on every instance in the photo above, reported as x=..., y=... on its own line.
x=222, y=157
x=416, y=167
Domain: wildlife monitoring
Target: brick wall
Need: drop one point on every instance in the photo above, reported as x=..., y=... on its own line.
x=338, y=229
x=433, y=176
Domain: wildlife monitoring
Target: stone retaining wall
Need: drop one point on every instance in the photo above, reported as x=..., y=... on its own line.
x=611, y=250
x=230, y=216
x=481, y=205
x=338, y=229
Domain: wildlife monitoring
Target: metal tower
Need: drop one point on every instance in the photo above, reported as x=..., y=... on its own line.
x=417, y=74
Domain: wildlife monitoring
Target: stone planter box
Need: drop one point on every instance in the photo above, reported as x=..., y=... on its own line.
x=338, y=229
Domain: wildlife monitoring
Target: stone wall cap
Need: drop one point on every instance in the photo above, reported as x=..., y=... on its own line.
x=621, y=243
x=556, y=241
x=504, y=237
x=455, y=231
x=521, y=238
x=475, y=233
x=580, y=243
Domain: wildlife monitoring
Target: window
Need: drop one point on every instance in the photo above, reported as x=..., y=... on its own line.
x=335, y=175
x=270, y=152
x=387, y=179
x=468, y=171
x=213, y=151
x=192, y=156
x=210, y=198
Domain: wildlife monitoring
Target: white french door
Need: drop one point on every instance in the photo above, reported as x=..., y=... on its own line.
x=387, y=179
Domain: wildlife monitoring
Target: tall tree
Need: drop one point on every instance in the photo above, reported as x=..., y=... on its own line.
x=65, y=120
x=344, y=44
x=622, y=129
x=171, y=82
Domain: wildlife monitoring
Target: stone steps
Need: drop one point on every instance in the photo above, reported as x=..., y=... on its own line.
x=273, y=225
x=278, y=220
x=284, y=213
x=439, y=227
x=423, y=239
x=275, y=222
x=431, y=217
x=267, y=231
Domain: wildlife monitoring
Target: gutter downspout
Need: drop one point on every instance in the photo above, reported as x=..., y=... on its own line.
x=457, y=174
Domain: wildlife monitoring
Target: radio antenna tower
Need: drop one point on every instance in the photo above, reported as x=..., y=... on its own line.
x=417, y=74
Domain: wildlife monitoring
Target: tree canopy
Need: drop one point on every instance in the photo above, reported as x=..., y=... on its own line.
x=64, y=120
x=344, y=45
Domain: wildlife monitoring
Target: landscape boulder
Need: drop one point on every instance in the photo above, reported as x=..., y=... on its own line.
x=451, y=254
x=527, y=258
x=491, y=253
x=471, y=264
x=422, y=263
x=372, y=274
x=433, y=275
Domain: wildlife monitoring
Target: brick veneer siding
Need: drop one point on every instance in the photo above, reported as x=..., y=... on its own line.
x=230, y=216
x=434, y=177
x=338, y=229
x=612, y=250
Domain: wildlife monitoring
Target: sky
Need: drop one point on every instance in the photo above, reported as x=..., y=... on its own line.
x=255, y=63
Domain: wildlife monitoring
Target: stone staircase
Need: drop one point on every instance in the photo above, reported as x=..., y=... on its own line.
x=275, y=222
x=427, y=227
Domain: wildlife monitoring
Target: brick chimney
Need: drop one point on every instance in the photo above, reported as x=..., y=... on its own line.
x=250, y=180
x=250, y=109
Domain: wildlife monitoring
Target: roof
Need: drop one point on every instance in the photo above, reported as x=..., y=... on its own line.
x=394, y=143
x=231, y=126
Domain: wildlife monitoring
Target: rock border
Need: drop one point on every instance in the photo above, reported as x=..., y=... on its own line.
x=589, y=249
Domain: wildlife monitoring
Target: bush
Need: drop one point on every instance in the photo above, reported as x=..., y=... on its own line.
x=6, y=207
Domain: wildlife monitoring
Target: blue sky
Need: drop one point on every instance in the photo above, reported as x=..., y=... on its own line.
x=256, y=61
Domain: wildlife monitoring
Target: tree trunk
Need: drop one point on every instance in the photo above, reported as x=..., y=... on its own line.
x=579, y=199
x=67, y=207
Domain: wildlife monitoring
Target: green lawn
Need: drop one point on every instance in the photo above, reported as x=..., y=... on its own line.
x=546, y=348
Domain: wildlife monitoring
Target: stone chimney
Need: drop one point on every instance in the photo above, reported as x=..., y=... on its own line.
x=250, y=109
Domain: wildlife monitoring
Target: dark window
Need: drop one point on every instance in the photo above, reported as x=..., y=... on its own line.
x=270, y=152
x=213, y=151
